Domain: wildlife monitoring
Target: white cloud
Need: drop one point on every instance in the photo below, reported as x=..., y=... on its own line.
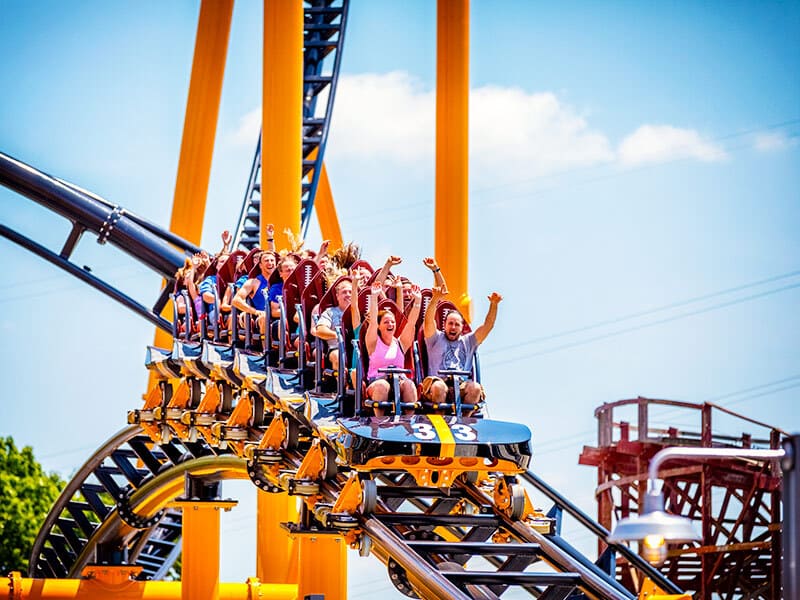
x=514, y=135
x=663, y=143
x=771, y=142
x=385, y=117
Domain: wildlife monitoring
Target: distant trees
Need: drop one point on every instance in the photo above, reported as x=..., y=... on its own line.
x=26, y=495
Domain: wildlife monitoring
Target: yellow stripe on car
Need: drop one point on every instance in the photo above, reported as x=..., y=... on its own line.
x=445, y=435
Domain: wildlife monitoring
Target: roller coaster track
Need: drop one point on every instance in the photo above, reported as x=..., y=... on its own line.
x=425, y=536
x=324, y=30
x=157, y=248
x=104, y=490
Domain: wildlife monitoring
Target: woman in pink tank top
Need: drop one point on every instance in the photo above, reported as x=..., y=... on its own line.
x=386, y=348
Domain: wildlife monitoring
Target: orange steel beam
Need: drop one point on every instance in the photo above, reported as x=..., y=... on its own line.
x=276, y=551
x=99, y=585
x=322, y=566
x=326, y=212
x=282, y=118
x=452, y=128
x=200, y=558
x=199, y=128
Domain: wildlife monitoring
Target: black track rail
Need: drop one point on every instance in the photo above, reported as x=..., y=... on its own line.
x=100, y=491
x=156, y=248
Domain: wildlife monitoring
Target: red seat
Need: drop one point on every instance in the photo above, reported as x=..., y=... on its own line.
x=305, y=272
x=226, y=276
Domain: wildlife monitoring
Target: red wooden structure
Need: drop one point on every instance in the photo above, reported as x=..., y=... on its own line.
x=736, y=504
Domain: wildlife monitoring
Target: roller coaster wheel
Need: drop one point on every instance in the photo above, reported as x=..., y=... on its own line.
x=303, y=487
x=258, y=410
x=195, y=393
x=399, y=579
x=369, y=496
x=517, y=506
x=292, y=432
x=256, y=473
x=341, y=521
x=269, y=457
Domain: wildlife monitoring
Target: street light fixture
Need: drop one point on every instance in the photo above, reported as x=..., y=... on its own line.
x=654, y=528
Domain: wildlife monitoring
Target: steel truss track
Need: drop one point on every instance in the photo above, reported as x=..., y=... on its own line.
x=436, y=542
x=75, y=531
x=324, y=29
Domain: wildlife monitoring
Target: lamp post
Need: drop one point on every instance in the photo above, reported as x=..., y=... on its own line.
x=654, y=528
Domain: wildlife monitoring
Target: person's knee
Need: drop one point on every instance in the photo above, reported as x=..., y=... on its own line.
x=407, y=388
x=472, y=392
x=438, y=391
x=334, y=358
x=379, y=390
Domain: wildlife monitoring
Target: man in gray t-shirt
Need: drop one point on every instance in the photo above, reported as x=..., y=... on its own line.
x=450, y=350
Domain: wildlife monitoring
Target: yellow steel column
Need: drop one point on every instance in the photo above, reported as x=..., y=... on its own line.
x=282, y=118
x=326, y=212
x=452, y=128
x=200, y=559
x=199, y=128
x=322, y=566
x=276, y=552
x=100, y=583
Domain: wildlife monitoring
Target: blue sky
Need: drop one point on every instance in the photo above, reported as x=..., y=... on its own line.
x=625, y=157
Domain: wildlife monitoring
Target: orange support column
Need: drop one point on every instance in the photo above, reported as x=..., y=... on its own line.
x=326, y=212
x=200, y=566
x=282, y=118
x=452, y=129
x=276, y=552
x=199, y=127
x=322, y=565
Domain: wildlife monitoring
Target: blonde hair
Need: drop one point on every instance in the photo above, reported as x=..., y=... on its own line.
x=345, y=256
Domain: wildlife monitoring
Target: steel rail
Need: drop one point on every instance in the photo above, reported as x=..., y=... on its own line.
x=595, y=583
x=601, y=532
x=432, y=584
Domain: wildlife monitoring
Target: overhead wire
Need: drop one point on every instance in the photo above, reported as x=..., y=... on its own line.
x=636, y=327
x=644, y=313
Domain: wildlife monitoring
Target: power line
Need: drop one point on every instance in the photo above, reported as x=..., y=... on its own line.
x=645, y=313
x=638, y=327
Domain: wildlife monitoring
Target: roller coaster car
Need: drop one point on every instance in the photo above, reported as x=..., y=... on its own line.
x=435, y=449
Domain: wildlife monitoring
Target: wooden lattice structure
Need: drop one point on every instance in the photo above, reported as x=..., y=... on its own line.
x=735, y=503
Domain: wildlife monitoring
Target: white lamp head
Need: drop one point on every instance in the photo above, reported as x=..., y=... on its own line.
x=654, y=528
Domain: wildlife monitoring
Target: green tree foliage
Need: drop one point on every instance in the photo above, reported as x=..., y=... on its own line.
x=26, y=495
